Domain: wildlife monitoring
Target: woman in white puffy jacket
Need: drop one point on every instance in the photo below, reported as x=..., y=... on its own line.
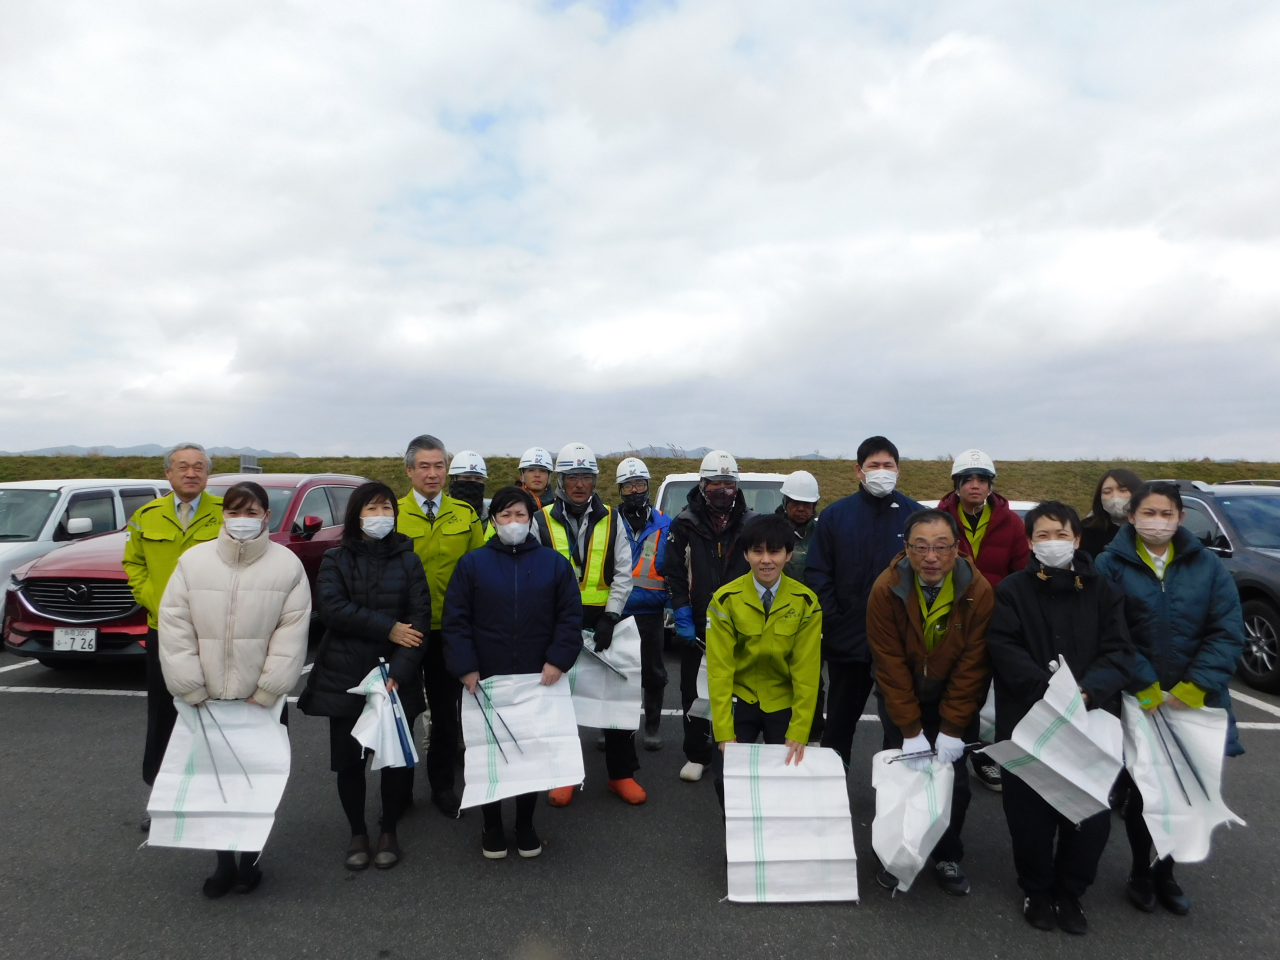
x=233, y=626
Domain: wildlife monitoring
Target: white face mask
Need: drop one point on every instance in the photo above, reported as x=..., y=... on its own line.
x=377, y=527
x=513, y=534
x=1117, y=508
x=1055, y=553
x=243, y=528
x=880, y=483
x=1154, y=531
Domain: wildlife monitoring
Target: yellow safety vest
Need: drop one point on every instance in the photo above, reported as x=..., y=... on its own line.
x=595, y=592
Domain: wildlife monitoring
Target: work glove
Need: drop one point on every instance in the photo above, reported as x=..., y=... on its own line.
x=917, y=744
x=684, y=625
x=604, y=631
x=950, y=749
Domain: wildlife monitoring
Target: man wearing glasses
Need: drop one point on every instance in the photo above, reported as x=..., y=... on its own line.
x=926, y=625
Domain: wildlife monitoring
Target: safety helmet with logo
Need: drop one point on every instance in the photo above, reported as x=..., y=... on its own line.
x=973, y=463
x=802, y=486
x=468, y=462
x=538, y=457
x=576, y=458
x=719, y=465
x=632, y=468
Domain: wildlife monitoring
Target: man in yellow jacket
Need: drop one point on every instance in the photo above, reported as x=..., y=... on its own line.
x=764, y=648
x=158, y=534
x=442, y=529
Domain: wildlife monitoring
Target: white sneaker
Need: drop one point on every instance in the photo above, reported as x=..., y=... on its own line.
x=692, y=772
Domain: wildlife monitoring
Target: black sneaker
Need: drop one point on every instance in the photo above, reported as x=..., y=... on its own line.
x=1142, y=893
x=887, y=880
x=494, y=844
x=987, y=772
x=1038, y=909
x=448, y=803
x=1171, y=896
x=1071, y=916
x=951, y=878
x=527, y=842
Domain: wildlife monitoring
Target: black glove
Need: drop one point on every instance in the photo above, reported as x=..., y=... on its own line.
x=604, y=631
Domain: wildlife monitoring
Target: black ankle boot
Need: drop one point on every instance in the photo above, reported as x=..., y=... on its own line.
x=224, y=877
x=249, y=875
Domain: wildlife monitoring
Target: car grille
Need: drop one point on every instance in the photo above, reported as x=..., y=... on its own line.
x=80, y=601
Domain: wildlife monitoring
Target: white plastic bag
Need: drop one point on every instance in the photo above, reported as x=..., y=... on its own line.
x=220, y=781
x=788, y=832
x=382, y=726
x=1069, y=755
x=601, y=698
x=987, y=718
x=701, y=707
x=521, y=737
x=1180, y=810
x=913, y=811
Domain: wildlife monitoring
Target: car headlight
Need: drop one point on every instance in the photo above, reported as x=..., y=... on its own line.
x=13, y=585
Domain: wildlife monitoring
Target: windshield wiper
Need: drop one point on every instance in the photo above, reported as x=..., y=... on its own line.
x=14, y=536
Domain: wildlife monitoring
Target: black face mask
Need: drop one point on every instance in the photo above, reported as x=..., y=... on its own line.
x=635, y=503
x=468, y=491
x=722, y=500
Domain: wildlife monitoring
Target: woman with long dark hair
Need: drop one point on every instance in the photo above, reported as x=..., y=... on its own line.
x=1110, y=510
x=375, y=604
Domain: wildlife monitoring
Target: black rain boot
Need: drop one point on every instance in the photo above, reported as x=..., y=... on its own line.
x=249, y=875
x=224, y=877
x=653, y=719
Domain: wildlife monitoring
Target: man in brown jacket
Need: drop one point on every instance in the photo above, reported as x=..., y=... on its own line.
x=926, y=623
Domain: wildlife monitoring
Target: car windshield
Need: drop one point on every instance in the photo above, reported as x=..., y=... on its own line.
x=23, y=513
x=278, y=497
x=1256, y=519
x=762, y=496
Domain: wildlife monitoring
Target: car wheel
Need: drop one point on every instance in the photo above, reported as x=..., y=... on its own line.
x=1260, y=661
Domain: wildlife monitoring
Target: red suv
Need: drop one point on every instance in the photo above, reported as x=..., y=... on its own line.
x=74, y=604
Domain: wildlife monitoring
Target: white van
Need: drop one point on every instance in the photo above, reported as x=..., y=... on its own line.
x=763, y=491
x=37, y=516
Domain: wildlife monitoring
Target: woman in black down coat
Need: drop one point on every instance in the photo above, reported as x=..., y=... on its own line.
x=375, y=602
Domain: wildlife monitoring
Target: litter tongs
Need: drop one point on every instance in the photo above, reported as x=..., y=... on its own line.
x=923, y=754
x=605, y=662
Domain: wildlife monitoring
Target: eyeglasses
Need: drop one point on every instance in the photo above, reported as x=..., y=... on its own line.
x=634, y=486
x=924, y=549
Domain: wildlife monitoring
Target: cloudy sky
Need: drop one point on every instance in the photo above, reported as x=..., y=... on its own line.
x=1048, y=230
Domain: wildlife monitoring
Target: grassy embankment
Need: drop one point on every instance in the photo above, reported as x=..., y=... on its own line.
x=1069, y=480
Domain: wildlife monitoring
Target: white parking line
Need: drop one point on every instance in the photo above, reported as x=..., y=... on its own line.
x=1258, y=726
x=307, y=668
x=19, y=666
x=92, y=693
x=1262, y=705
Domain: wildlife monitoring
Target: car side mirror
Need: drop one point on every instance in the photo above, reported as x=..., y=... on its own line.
x=1219, y=545
x=79, y=526
x=311, y=525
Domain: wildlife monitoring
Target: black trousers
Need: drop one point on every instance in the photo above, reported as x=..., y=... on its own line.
x=444, y=696
x=750, y=723
x=950, y=847
x=1140, y=837
x=161, y=713
x=347, y=760
x=620, y=759
x=653, y=670
x=1033, y=825
x=524, y=812
x=819, y=725
x=698, y=745
x=850, y=685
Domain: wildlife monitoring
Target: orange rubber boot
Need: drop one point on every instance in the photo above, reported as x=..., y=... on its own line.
x=628, y=790
x=560, y=796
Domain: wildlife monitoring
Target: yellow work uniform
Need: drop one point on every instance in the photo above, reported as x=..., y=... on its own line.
x=774, y=661
x=154, y=540
x=440, y=544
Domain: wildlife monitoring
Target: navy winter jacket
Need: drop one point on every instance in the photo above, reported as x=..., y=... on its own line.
x=643, y=600
x=511, y=610
x=855, y=539
x=1185, y=627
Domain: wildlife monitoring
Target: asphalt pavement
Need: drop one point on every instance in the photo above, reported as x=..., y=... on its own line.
x=613, y=881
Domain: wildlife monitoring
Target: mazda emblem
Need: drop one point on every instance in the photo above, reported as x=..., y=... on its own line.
x=78, y=592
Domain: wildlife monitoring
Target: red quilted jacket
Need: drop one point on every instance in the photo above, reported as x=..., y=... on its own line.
x=1004, y=549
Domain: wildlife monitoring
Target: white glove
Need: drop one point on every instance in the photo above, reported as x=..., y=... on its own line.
x=950, y=749
x=917, y=744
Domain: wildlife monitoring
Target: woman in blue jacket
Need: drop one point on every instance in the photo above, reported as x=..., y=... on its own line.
x=512, y=606
x=1183, y=611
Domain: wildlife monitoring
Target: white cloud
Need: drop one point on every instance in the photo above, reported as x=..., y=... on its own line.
x=326, y=227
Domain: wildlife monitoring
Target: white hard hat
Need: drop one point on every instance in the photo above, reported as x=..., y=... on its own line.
x=468, y=461
x=537, y=457
x=973, y=461
x=802, y=486
x=632, y=468
x=576, y=458
x=719, y=465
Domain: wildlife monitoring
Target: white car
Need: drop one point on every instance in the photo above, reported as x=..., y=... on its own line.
x=1020, y=507
x=37, y=516
x=763, y=491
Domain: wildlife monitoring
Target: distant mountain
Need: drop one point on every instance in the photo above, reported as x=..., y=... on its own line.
x=810, y=456
x=144, y=450
x=679, y=453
